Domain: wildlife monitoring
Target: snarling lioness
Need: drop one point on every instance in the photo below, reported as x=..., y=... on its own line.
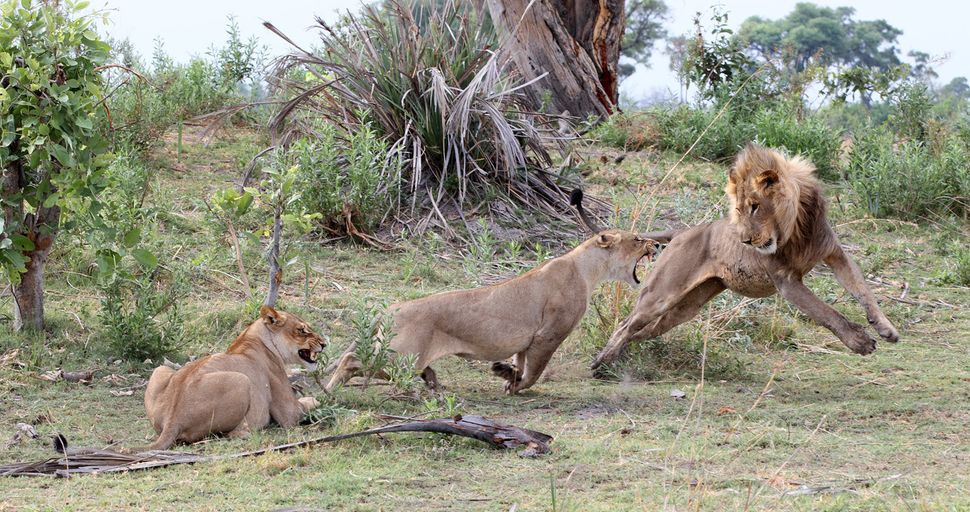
x=527, y=317
x=239, y=390
x=777, y=232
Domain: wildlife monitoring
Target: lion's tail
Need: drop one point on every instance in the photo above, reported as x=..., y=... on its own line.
x=576, y=199
x=166, y=439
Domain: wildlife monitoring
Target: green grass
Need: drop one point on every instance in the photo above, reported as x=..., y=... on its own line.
x=883, y=432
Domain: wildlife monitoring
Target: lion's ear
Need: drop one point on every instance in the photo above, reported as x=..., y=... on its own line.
x=606, y=240
x=767, y=179
x=270, y=316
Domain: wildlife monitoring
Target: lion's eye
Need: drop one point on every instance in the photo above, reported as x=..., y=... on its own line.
x=754, y=208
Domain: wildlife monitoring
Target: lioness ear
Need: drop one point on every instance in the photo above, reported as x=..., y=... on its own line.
x=606, y=240
x=766, y=179
x=270, y=316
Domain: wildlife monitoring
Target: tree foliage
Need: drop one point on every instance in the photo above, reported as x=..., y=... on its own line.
x=830, y=36
x=50, y=147
x=644, y=26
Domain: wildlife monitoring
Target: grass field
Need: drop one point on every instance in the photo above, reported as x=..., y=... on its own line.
x=780, y=417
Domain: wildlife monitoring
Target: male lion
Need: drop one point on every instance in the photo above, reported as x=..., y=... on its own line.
x=237, y=391
x=776, y=234
x=528, y=316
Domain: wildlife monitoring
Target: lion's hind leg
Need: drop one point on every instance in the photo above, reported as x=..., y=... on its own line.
x=219, y=402
x=154, y=405
x=347, y=368
x=656, y=316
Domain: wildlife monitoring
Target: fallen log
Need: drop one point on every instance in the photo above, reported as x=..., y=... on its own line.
x=81, y=461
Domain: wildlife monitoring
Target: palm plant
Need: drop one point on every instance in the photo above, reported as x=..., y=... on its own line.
x=431, y=81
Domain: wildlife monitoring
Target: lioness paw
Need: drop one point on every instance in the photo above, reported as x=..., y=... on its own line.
x=309, y=402
x=506, y=371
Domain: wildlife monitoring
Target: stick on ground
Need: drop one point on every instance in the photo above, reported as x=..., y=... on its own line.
x=82, y=461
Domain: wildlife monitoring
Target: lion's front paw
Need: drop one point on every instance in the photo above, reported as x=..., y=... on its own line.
x=858, y=340
x=308, y=402
x=886, y=331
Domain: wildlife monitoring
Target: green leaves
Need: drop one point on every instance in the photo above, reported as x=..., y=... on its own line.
x=233, y=203
x=132, y=237
x=145, y=258
x=48, y=112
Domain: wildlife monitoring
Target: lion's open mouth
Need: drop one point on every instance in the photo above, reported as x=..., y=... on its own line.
x=307, y=355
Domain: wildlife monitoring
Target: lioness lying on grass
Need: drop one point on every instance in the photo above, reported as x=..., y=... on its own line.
x=237, y=391
x=528, y=316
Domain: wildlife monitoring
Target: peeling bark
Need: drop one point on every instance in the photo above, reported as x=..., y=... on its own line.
x=576, y=43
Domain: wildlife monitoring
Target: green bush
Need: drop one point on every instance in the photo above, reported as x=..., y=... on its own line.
x=680, y=127
x=810, y=137
x=141, y=317
x=144, y=108
x=626, y=131
x=358, y=171
x=909, y=179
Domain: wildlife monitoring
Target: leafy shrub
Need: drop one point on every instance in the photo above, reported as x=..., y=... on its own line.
x=630, y=132
x=143, y=110
x=680, y=127
x=144, y=107
x=428, y=83
x=141, y=316
x=51, y=150
x=909, y=179
x=911, y=111
x=810, y=137
x=358, y=172
x=372, y=333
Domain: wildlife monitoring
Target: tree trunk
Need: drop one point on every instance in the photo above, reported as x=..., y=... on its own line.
x=40, y=228
x=28, y=304
x=273, y=258
x=576, y=42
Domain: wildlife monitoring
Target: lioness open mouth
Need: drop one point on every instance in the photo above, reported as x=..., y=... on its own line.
x=307, y=355
x=637, y=265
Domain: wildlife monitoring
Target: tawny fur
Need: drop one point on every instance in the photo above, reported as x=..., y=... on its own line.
x=527, y=317
x=776, y=233
x=237, y=391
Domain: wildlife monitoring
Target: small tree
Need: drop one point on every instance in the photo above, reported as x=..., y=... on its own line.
x=51, y=152
x=280, y=201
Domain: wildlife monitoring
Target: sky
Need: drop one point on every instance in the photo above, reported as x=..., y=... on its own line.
x=188, y=28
